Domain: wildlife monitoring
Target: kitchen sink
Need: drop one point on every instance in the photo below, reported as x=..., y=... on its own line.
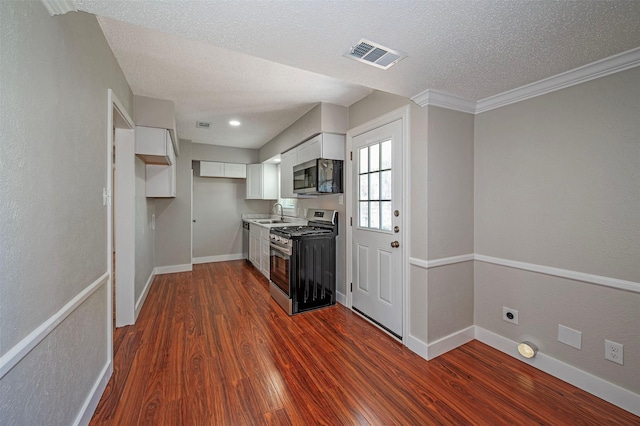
x=269, y=221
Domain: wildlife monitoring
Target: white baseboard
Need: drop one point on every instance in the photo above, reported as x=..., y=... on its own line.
x=610, y=392
x=220, y=258
x=416, y=345
x=90, y=404
x=144, y=294
x=452, y=341
x=341, y=298
x=172, y=269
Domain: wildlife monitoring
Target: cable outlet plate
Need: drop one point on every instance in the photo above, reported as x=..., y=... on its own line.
x=614, y=351
x=510, y=315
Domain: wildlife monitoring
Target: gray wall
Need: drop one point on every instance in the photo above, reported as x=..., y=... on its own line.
x=225, y=154
x=145, y=238
x=173, y=216
x=53, y=225
x=557, y=184
x=449, y=220
x=218, y=204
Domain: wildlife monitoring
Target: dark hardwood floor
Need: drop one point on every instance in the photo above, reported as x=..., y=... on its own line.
x=211, y=348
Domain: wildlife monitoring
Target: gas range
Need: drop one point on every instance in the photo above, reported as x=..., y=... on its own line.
x=303, y=263
x=320, y=222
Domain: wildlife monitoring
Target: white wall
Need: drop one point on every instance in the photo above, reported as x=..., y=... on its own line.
x=557, y=185
x=55, y=75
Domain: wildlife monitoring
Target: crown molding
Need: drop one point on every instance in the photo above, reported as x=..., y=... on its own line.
x=59, y=7
x=601, y=68
x=444, y=100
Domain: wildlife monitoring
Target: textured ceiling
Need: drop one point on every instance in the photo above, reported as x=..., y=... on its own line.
x=211, y=84
x=469, y=48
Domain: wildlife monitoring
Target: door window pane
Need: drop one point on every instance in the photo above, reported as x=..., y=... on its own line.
x=364, y=187
x=374, y=157
x=385, y=185
x=375, y=214
x=385, y=160
x=364, y=160
x=364, y=214
x=374, y=181
x=375, y=187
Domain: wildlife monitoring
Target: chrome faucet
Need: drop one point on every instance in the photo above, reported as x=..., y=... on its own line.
x=281, y=210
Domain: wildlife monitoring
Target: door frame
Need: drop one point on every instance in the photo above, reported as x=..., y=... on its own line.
x=403, y=114
x=118, y=118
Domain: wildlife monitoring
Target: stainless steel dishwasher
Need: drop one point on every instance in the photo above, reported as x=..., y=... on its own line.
x=245, y=239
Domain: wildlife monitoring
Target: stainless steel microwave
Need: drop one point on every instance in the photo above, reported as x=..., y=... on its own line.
x=319, y=176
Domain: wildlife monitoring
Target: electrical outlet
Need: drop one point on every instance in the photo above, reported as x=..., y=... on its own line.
x=510, y=315
x=614, y=351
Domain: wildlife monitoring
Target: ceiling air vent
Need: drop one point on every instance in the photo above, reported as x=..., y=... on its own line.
x=202, y=125
x=374, y=54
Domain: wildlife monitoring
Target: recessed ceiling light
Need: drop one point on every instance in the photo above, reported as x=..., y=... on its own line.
x=234, y=123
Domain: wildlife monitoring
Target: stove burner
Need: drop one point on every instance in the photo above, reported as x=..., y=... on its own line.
x=299, y=231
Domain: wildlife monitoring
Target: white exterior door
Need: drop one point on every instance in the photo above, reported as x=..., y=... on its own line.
x=377, y=256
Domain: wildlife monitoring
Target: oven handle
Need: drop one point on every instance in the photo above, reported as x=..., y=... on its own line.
x=281, y=249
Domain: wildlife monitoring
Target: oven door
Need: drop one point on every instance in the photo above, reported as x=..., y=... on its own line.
x=280, y=268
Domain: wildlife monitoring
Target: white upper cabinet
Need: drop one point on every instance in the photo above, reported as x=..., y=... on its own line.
x=217, y=169
x=211, y=169
x=233, y=170
x=154, y=146
x=324, y=145
x=262, y=181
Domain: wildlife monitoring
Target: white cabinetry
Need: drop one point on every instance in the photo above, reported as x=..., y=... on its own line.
x=217, y=169
x=211, y=169
x=324, y=145
x=264, y=251
x=254, y=245
x=154, y=146
x=288, y=160
x=232, y=170
x=262, y=181
x=259, y=250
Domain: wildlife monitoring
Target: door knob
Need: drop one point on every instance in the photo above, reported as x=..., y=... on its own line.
x=395, y=244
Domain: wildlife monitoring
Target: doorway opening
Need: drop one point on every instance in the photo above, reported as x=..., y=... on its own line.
x=120, y=182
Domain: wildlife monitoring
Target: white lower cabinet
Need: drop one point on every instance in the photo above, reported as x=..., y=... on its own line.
x=264, y=256
x=259, y=250
x=254, y=245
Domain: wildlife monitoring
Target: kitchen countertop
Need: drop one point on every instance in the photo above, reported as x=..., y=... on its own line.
x=256, y=218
